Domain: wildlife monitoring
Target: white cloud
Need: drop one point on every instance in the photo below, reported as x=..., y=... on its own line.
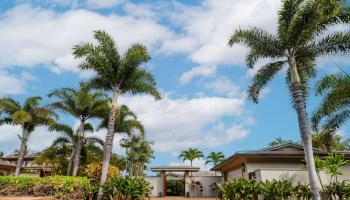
x=201, y=71
x=222, y=86
x=11, y=84
x=39, y=139
x=37, y=36
x=175, y=124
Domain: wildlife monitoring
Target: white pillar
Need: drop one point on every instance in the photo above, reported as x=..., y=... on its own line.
x=187, y=184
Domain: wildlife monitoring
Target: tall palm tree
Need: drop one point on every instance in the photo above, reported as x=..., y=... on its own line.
x=334, y=109
x=69, y=137
x=29, y=116
x=191, y=155
x=139, y=153
x=296, y=46
x=83, y=104
x=117, y=74
x=126, y=122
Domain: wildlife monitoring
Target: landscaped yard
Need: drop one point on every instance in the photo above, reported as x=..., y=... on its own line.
x=25, y=198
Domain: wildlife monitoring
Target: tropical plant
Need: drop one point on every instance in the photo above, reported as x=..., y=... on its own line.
x=139, y=152
x=333, y=164
x=320, y=166
x=328, y=141
x=29, y=116
x=336, y=190
x=277, y=189
x=2, y=154
x=279, y=141
x=191, y=155
x=55, y=156
x=215, y=158
x=297, y=44
x=334, y=109
x=118, y=74
x=302, y=192
x=125, y=188
x=83, y=104
x=70, y=138
x=239, y=189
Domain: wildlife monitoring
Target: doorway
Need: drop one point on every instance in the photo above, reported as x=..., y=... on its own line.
x=175, y=188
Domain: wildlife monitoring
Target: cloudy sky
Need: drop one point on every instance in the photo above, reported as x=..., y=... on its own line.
x=202, y=80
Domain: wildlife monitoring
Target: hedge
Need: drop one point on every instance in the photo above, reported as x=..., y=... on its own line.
x=59, y=187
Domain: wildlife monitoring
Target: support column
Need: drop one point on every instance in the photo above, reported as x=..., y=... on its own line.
x=163, y=177
x=187, y=184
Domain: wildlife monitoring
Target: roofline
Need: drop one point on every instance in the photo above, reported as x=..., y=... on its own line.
x=261, y=154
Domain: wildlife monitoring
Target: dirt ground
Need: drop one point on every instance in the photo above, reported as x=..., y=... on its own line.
x=25, y=198
x=180, y=198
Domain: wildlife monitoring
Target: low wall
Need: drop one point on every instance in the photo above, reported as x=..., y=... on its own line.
x=156, y=184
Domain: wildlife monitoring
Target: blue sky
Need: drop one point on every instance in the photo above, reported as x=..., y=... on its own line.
x=202, y=80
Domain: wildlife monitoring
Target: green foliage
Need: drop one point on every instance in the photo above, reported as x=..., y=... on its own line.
x=336, y=190
x=215, y=157
x=302, y=192
x=175, y=188
x=191, y=154
x=60, y=187
x=279, y=141
x=277, y=189
x=125, y=188
x=239, y=189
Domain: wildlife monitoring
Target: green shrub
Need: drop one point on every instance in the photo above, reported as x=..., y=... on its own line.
x=302, y=192
x=336, y=190
x=239, y=189
x=125, y=188
x=60, y=187
x=277, y=189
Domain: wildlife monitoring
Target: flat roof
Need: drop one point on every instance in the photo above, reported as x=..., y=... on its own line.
x=175, y=169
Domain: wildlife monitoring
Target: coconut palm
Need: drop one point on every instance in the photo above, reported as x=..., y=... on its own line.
x=139, y=153
x=83, y=104
x=191, y=155
x=334, y=109
x=29, y=116
x=69, y=137
x=117, y=74
x=301, y=38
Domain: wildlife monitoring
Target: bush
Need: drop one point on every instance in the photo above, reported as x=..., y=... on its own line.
x=336, y=190
x=93, y=171
x=277, y=189
x=125, y=188
x=239, y=189
x=60, y=187
x=302, y=192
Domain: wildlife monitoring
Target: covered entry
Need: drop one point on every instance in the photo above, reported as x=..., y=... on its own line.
x=163, y=170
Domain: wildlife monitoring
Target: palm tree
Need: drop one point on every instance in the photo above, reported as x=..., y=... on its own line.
x=117, y=74
x=126, y=122
x=334, y=109
x=139, y=152
x=83, y=104
x=70, y=138
x=296, y=45
x=191, y=154
x=29, y=116
x=215, y=158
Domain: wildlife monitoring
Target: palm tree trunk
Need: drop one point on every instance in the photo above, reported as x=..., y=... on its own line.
x=70, y=164
x=107, y=151
x=78, y=146
x=304, y=128
x=24, y=140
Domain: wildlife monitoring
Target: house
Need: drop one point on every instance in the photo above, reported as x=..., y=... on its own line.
x=8, y=166
x=279, y=162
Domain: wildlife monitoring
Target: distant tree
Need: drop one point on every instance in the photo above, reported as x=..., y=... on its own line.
x=29, y=116
x=117, y=74
x=215, y=158
x=2, y=154
x=190, y=155
x=279, y=141
x=83, y=104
